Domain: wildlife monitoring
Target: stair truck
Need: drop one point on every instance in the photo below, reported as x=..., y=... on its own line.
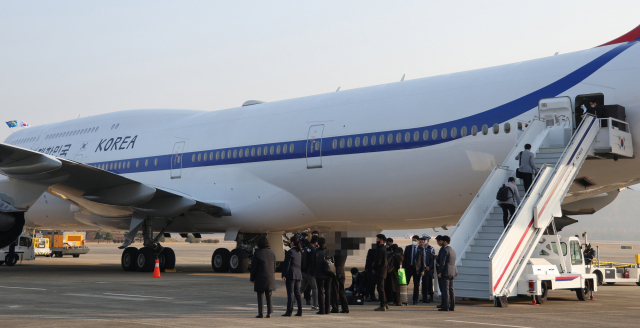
x=23, y=251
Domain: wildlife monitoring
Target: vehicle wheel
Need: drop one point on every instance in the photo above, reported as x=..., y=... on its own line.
x=167, y=259
x=637, y=283
x=129, y=258
x=76, y=255
x=545, y=291
x=146, y=259
x=599, y=275
x=11, y=260
x=220, y=260
x=584, y=293
x=239, y=261
x=611, y=283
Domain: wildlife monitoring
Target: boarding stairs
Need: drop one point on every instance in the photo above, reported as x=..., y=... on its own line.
x=490, y=257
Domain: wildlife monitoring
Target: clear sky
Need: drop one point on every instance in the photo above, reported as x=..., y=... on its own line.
x=61, y=59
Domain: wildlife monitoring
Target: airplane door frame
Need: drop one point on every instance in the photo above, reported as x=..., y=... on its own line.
x=176, y=160
x=314, y=146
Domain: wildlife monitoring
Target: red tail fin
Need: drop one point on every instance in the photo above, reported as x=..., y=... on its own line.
x=631, y=36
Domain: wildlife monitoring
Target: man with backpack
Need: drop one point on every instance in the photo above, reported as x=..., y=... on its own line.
x=308, y=270
x=507, y=196
x=527, y=167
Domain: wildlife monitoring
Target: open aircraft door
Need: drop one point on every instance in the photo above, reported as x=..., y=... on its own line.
x=176, y=160
x=314, y=147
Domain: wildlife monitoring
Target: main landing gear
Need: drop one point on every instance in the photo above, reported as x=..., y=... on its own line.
x=144, y=259
x=237, y=260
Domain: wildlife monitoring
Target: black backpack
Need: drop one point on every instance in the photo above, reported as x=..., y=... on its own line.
x=503, y=193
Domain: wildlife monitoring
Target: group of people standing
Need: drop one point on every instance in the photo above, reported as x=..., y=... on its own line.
x=308, y=263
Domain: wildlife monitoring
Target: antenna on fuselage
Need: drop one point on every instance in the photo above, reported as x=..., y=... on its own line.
x=338, y=89
x=402, y=79
x=556, y=53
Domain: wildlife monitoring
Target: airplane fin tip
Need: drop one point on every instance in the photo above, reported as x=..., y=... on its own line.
x=633, y=35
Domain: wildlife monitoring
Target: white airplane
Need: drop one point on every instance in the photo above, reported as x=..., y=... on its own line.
x=403, y=155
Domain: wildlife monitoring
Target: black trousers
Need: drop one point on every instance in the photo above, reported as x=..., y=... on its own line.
x=307, y=293
x=293, y=291
x=527, y=179
x=427, y=285
x=411, y=273
x=392, y=296
x=261, y=304
x=448, y=294
x=506, y=209
x=324, y=294
x=380, y=288
x=338, y=296
x=371, y=285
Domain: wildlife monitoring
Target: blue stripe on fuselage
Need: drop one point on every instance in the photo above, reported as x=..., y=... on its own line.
x=500, y=114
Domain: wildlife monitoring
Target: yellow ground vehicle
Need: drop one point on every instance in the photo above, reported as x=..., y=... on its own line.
x=59, y=243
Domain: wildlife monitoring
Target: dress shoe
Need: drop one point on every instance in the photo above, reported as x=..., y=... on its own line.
x=268, y=315
x=344, y=311
x=415, y=303
x=451, y=310
x=381, y=308
x=335, y=311
x=287, y=314
x=299, y=314
x=319, y=312
x=259, y=316
x=444, y=310
x=438, y=306
x=315, y=308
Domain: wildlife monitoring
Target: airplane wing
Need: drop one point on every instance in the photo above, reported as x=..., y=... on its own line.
x=101, y=192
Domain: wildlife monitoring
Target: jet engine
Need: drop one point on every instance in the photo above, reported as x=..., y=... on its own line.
x=11, y=224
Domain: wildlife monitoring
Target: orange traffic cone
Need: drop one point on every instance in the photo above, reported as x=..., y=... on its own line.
x=156, y=270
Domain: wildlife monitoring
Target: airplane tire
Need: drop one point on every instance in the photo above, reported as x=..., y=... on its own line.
x=11, y=260
x=545, y=291
x=167, y=259
x=220, y=260
x=129, y=259
x=146, y=260
x=239, y=261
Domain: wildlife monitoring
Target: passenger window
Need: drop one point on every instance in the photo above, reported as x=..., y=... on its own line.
x=463, y=131
x=278, y=149
x=199, y=157
x=454, y=132
x=434, y=134
x=137, y=163
x=155, y=161
x=389, y=138
x=349, y=142
x=240, y=153
x=485, y=129
x=217, y=155
x=264, y=151
x=335, y=143
x=110, y=166
x=342, y=143
x=443, y=133
x=259, y=151
x=284, y=149
x=373, y=140
x=291, y=148
x=496, y=128
x=229, y=153
x=146, y=162
x=474, y=130
x=128, y=164
x=253, y=152
x=365, y=141
x=357, y=141
x=381, y=139
x=235, y=153
x=407, y=137
x=416, y=136
x=271, y=150
x=425, y=135
x=193, y=157
x=246, y=152
x=223, y=154
x=507, y=127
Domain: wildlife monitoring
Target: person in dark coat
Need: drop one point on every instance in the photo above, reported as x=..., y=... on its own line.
x=370, y=294
x=392, y=286
x=306, y=288
x=323, y=280
x=447, y=273
x=309, y=275
x=379, y=269
x=338, y=294
x=413, y=265
x=263, y=274
x=429, y=269
x=438, y=266
x=291, y=276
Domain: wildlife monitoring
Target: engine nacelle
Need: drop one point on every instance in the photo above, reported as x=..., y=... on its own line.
x=11, y=225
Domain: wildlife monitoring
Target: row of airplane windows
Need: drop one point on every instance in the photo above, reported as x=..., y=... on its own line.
x=123, y=165
x=72, y=133
x=246, y=152
x=434, y=134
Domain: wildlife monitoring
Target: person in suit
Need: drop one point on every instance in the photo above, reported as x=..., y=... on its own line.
x=370, y=293
x=429, y=267
x=527, y=166
x=323, y=280
x=309, y=273
x=392, y=286
x=263, y=274
x=337, y=286
x=379, y=269
x=509, y=205
x=306, y=288
x=447, y=273
x=291, y=276
x=437, y=259
x=414, y=265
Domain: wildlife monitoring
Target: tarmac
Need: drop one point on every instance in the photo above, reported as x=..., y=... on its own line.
x=94, y=291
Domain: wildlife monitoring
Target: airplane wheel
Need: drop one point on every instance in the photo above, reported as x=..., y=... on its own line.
x=167, y=259
x=239, y=261
x=545, y=291
x=129, y=258
x=11, y=260
x=220, y=260
x=146, y=260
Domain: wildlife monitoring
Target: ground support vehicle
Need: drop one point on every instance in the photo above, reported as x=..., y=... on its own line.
x=62, y=243
x=23, y=251
x=548, y=270
x=613, y=272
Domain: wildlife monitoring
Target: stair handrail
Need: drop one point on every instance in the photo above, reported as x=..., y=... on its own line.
x=571, y=141
x=517, y=211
